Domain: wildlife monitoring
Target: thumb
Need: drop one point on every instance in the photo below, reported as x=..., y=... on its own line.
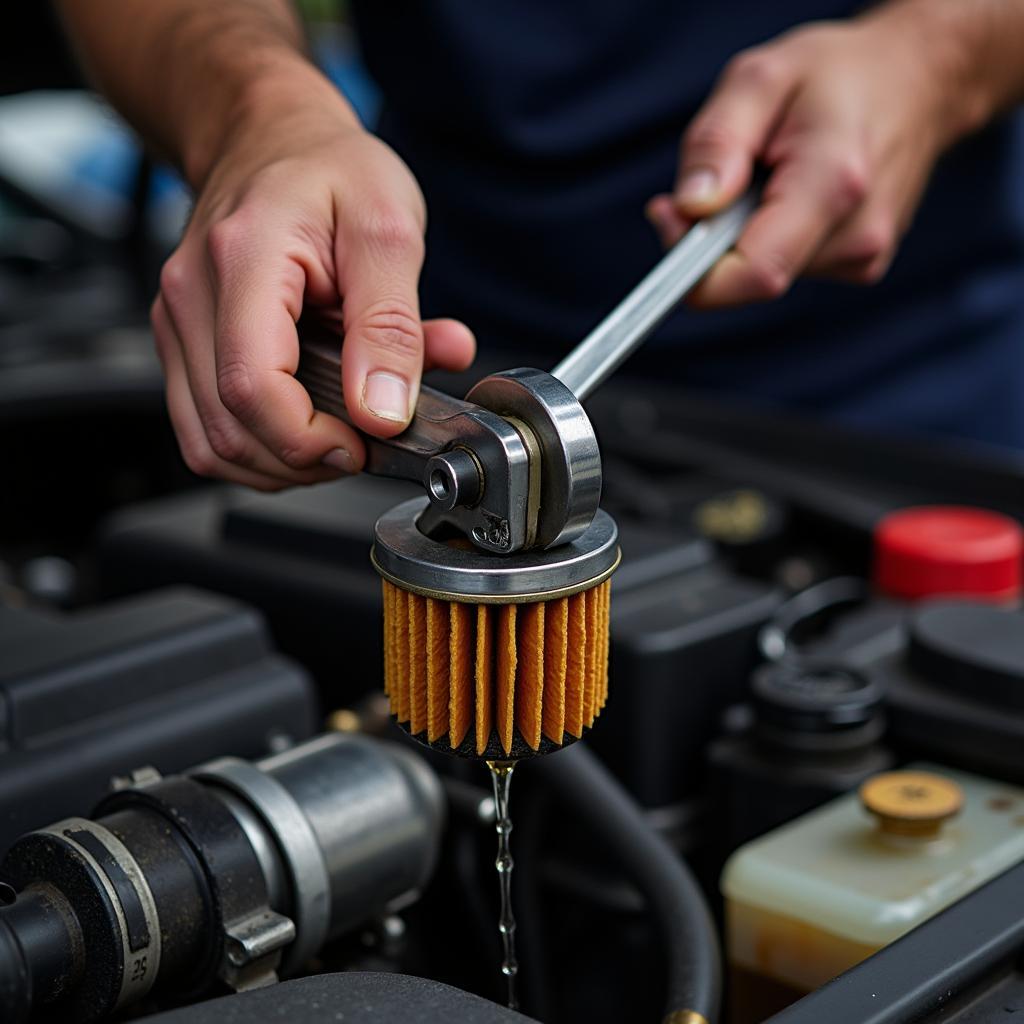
x=382, y=355
x=730, y=131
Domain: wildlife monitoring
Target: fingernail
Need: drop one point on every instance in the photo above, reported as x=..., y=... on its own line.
x=338, y=458
x=699, y=186
x=387, y=396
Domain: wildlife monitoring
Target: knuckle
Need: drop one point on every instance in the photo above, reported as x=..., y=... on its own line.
x=709, y=133
x=174, y=282
x=394, y=332
x=874, y=270
x=236, y=387
x=392, y=231
x=771, y=276
x=757, y=68
x=199, y=459
x=850, y=182
x=225, y=440
x=873, y=241
x=227, y=242
x=294, y=456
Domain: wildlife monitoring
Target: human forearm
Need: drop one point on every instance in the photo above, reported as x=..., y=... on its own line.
x=189, y=73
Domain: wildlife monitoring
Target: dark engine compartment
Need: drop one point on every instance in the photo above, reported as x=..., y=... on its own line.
x=757, y=672
x=201, y=791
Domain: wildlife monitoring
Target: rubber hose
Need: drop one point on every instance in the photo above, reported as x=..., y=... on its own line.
x=673, y=896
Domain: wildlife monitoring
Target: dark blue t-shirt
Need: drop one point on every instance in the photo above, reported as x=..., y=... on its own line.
x=539, y=128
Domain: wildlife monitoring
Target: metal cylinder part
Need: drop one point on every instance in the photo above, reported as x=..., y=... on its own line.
x=552, y=421
x=409, y=558
x=234, y=873
x=345, y=826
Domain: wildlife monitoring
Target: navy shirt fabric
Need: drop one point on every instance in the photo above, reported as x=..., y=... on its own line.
x=539, y=128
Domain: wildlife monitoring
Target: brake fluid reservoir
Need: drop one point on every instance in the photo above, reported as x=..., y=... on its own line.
x=814, y=897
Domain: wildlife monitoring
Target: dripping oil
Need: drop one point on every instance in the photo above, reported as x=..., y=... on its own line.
x=501, y=778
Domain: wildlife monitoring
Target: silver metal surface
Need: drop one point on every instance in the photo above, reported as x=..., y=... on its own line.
x=257, y=935
x=137, y=778
x=252, y=950
x=570, y=459
x=141, y=966
x=349, y=825
x=377, y=812
x=406, y=556
x=267, y=853
x=452, y=479
x=280, y=827
x=622, y=332
x=496, y=519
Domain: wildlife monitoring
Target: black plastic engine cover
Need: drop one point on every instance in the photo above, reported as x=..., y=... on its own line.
x=168, y=679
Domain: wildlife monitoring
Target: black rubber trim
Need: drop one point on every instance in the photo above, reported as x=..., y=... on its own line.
x=590, y=792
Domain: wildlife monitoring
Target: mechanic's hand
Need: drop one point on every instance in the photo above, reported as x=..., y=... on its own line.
x=304, y=208
x=849, y=118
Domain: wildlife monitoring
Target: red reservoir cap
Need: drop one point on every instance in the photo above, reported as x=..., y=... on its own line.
x=938, y=550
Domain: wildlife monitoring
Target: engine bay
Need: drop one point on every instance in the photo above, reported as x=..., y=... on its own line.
x=804, y=797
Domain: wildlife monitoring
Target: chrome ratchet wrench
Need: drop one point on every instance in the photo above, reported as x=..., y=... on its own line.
x=515, y=465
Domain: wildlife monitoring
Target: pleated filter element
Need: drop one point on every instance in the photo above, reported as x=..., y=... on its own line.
x=493, y=680
x=494, y=656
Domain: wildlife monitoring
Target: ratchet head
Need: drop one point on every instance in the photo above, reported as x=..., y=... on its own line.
x=513, y=467
x=520, y=469
x=564, y=487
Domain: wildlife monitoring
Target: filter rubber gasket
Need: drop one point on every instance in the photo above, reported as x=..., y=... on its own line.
x=407, y=557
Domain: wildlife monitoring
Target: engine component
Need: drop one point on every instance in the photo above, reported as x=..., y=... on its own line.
x=955, y=687
x=684, y=625
x=685, y=644
x=298, y=556
x=948, y=550
x=974, y=649
x=951, y=674
x=231, y=872
x=675, y=900
x=812, y=732
x=170, y=678
x=811, y=899
x=958, y=965
x=517, y=647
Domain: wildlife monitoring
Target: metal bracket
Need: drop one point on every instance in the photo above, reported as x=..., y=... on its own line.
x=252, y=949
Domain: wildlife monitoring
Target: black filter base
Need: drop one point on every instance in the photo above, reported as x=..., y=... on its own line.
x=494, y=751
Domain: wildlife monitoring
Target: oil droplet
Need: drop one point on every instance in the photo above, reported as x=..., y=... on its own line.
x=501, y=778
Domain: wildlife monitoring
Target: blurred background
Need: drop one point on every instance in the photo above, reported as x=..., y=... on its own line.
x=86, y=221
